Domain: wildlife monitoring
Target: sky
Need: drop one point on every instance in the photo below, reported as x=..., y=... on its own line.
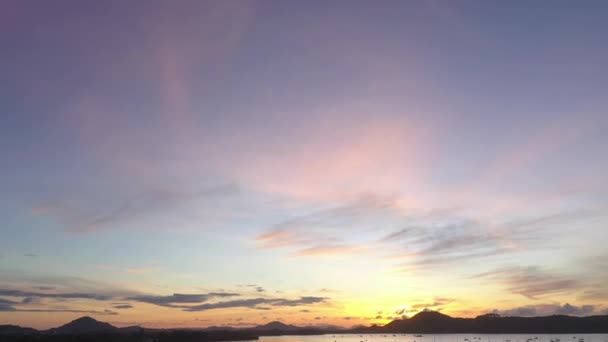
x=200, y=163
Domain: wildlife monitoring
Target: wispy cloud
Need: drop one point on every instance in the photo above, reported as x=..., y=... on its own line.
x=328, y=231
x=438, y=302
x=90, y=312
x=254, y=302
x=329, y=249
x=185, y=301
x=45, y=298
x=447, y=240
x=44, y=285
x=550, y=309
x=31, y=300
x=122, y=306
x=7, y=305
x=76, y=218
x=410, y=239
x=533, y=282
x=548, y=138
x=14, y=306
x=256, y=287
x=7, y=301
x=178, y=298
x=68, y=295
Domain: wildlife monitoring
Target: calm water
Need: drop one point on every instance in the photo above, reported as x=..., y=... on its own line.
x=439, y=338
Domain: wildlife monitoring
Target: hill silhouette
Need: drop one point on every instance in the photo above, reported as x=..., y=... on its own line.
x=88, y=329
x=276, y=325
x=16, y=330
x=426, y=321
x=85, y=325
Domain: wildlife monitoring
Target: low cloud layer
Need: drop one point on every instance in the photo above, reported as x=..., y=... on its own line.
x=122, y=306
x=33, y=298
x=254, y=302
x=550, y=309
x=11, y=306
x=7, y=305
x=178, y=298
x=13, y=300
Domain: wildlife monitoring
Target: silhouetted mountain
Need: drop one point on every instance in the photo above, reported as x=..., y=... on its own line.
x=430, y=316
x=132, y=329
x=87, y=329
x=280, y=326
x=16, y=330
x=426, y=321
x=85, y=325
x=435, y=322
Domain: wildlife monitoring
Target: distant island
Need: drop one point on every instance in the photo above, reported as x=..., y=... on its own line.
x=429, y=322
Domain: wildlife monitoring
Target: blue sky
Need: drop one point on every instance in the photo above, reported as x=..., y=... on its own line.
x=344, y=157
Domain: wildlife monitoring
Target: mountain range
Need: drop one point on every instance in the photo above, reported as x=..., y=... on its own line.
x=436, y=322
x=423, y=322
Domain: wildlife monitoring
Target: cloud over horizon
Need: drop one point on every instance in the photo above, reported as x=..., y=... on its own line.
x=550, y=309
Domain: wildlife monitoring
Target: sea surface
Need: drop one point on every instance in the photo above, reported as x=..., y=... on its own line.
x=440, y=338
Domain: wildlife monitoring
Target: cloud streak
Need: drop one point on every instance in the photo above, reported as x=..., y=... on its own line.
x=69, y=295
x=414, y=239
x=254, y=302
x=532, y=282
x=10, y=306
x=122, y=306
x=136, y=208
x=327, y=231
x=550, y=309
x=178, y=298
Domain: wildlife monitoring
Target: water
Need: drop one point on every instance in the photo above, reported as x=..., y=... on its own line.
x=440, y=338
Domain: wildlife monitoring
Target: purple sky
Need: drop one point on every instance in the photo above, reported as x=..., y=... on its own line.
x=275, y=151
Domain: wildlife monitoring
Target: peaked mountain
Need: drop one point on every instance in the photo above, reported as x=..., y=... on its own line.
x=276, y=325
x=426, y=321
x=430, y=315
x=84, y=325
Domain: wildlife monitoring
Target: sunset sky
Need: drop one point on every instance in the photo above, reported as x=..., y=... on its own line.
x=196, y=163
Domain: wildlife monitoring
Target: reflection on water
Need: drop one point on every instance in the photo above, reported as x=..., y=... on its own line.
x=440, y=338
